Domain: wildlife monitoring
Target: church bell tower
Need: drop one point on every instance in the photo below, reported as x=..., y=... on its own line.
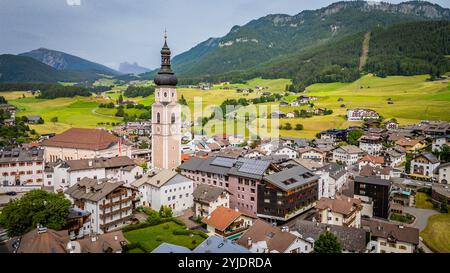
x=166, y=122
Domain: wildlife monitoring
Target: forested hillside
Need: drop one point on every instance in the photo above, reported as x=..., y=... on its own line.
x=279, y=35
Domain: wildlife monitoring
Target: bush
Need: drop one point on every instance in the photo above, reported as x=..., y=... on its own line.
x=182, y=232
x=179, y=222
x=131, y=246
x=425, y=190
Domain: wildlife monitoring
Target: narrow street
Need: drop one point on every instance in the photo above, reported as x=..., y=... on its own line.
x=421, y=221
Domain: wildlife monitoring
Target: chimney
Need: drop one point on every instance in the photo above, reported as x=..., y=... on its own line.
x=116, y=238
x=90, y=163
x=249, y=241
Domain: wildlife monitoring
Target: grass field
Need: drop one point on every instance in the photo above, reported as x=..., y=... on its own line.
x=422, y=201
x=414, y=99
x=71, y=112
x=152, y=237
x=437, y=234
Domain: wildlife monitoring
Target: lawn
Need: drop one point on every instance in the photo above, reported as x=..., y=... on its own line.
x=151, y=237
x=414, y=99
x=422, y=201
x=71, y=112
x=437, y=233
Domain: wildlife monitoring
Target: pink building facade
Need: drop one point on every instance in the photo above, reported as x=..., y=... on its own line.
x=238, y=177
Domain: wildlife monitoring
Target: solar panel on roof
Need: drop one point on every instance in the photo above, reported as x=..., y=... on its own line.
x=223, y=162
x=254, y=166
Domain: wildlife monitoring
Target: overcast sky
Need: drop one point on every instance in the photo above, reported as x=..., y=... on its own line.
x=114, y=31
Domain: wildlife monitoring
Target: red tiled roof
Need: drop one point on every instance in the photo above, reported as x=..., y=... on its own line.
x=373, y=159
x=222, y=217
x=80, y=138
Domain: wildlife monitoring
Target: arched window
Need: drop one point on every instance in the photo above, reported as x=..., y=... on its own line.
x=165, y=94
x=173, y=118
x=158, y=118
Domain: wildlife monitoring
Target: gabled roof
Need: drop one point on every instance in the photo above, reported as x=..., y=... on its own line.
x=368, y=170
x=311, y=149
x=340, y=204
x=110, y=242
x=50, y=241
x=162, y=178
x=336, y=170
x=206, y=193
x=275, y=239
x=430, y=157
x=171, y=248
x=222, y=217
x=406, y=142
x=216, y=244
x=391, y=231
x=98, y=163
x=373, y=159
x=351, y=149
x=351, y=239
x=92, y=189
x=81, y=138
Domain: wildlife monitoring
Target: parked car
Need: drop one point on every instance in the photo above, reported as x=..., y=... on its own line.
x=11, y=193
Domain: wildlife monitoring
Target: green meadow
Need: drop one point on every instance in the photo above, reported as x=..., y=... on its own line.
x=414, y=99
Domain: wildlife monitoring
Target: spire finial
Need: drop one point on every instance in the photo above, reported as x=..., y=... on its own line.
x=165, y=34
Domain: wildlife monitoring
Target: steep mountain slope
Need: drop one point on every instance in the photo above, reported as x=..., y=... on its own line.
x=404, y=49
x=25, y=69
x=15, y=68
x=278, y=35
x=63, y=61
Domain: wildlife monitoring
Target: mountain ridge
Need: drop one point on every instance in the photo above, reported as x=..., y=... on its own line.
x=275, y=35
x=64, y=61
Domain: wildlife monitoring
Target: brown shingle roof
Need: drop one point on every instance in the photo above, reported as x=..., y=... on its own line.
x=97, y=189
x=273, y=236
x=80, y=138
x=207, y=193
x=113, y=162
x=104, y=243
x=406, y=142
x=341, y=204
x=391, y=231
x=51, y=241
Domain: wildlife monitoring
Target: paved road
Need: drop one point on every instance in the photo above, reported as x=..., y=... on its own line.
x=421, y=221
x=421, y=215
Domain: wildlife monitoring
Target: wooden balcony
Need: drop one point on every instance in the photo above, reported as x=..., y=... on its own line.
x=107, y=214
x=104, y=227
x=232, y=232
x=111, y=204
